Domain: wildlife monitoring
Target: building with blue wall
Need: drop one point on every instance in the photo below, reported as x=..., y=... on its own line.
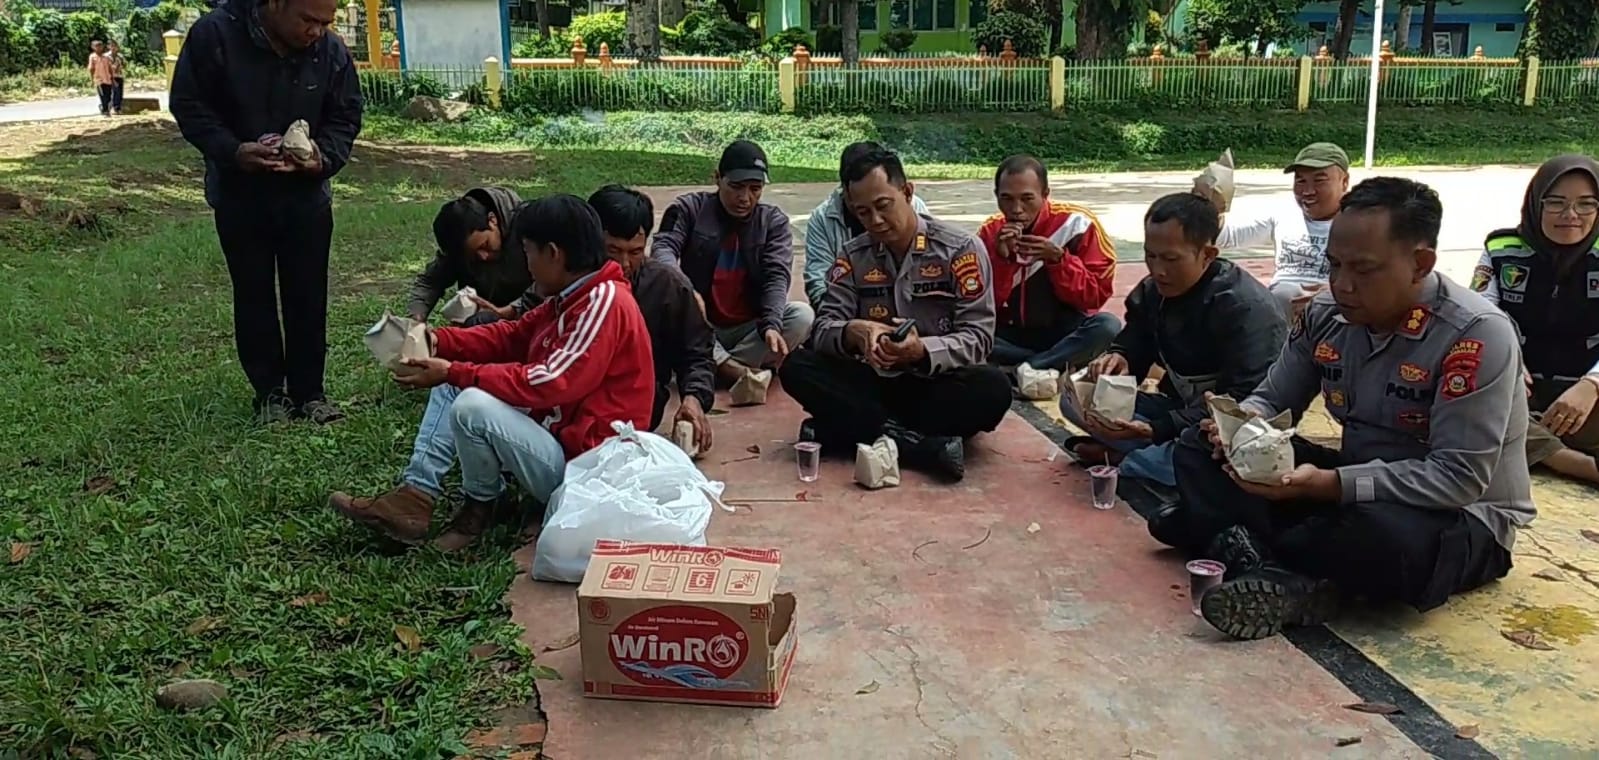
x=1459, y=28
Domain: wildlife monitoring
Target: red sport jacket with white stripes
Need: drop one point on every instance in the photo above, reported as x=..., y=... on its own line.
x=577, y=362
x=1041, y=294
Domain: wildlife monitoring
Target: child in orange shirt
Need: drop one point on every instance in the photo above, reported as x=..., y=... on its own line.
x=100, y=71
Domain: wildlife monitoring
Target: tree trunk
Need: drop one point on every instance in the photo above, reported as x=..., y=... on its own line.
x=673, y=12
x=1402, y=29
x=541, y=12
x=1346, y=29
x=1102, y=27
x=1429, y=20
x=643, y=29
x=850, y=28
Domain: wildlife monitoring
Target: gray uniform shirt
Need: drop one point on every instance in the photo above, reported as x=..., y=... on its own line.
x=1434, y=415
x=943, y=284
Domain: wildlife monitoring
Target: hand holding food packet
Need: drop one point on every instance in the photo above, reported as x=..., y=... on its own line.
x=393, y=340
x=297, y=141
x=1215, y=183
x=462, y=306
x=1259, y=450
x=1110, y=397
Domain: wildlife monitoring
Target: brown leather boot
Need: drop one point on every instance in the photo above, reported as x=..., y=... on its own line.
x=469, y=523
x=402, y=514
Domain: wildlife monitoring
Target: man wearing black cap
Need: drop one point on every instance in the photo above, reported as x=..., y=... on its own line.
x=1297, y=232
x=738, y=253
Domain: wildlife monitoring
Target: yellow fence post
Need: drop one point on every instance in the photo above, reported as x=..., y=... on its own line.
x=1305, y=63
x=1531, y=95
x=374, y=33
x=1057, y=83
x=491, y=80
x=173, y=40
x=786, y=83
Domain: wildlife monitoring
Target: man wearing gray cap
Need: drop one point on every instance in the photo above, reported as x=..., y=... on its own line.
x=739, y=254
x=1297, y=232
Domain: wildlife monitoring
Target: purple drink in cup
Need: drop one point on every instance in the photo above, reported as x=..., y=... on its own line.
x=1203, y=575
x=1104, y=477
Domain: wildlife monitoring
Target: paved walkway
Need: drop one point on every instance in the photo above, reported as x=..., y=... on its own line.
x=64, y=108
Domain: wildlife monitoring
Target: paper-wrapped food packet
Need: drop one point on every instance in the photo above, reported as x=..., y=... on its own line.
x=394, y=339
x=1110, y=396
x=751, y=388
x=1216, y=181
x=683, y=436
x=461, y=307
x=1260, y=450
x=297, y=141
x=1037, y=383
x=877, y=464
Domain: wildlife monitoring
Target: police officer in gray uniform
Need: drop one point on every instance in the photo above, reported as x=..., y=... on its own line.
x=931, y=389
x=1424, y=496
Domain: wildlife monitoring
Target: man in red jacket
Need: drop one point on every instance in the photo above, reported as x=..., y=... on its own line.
x=523, y=396
x=1054, y=267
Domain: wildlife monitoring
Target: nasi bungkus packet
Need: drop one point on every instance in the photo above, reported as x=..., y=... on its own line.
x=1037, y=383
x=461, y=307
x=1259, y=450
x=1216, y=181
x=877, y=463
x=394, y=339
x=1110, y=396
x=297, y=141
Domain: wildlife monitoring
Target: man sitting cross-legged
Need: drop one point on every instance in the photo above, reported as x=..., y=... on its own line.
x=1212, y=325
x=1424, y=495
x=523, y=396
x=929, y=390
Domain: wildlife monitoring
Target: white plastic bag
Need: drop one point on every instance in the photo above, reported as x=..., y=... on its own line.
x=636, y=486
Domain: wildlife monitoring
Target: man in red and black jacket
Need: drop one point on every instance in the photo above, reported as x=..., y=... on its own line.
x=1054, y=268
x=523, y=396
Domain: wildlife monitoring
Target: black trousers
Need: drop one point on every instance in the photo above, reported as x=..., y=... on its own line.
x=850, y=401
x=117, y=87
x=105, y=91
x=1380, y=550
x=273, y=256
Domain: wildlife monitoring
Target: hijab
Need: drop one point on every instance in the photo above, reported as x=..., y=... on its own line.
x=1531, y=228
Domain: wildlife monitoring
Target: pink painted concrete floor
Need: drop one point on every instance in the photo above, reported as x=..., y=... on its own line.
x=933, y=624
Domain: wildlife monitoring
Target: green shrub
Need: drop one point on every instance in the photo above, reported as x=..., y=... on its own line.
x=18, y=51
x=51, y=38
x=782, y=44
x=829, y=39
x=84, y=27
x=558, y=45
x=608, y=28
x=144, y=43
x=708, y=31
x=1027, y=35
x=897, y=40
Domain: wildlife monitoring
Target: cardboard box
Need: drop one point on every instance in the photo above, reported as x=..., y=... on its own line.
x=671, y=623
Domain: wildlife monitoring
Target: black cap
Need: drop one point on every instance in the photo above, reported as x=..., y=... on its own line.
x=742, y=161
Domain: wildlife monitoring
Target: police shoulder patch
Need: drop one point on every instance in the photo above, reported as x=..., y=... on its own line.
x=968, y=275
x=841, y=269
x=1460, y=367
x=1481, y=277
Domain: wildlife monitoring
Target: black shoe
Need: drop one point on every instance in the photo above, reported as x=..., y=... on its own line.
x=320, y=410
x=274, y=407
x=1169, y=525
x=942, y=455
x=1261, y=603
x=807, y=431
x=1239, y=550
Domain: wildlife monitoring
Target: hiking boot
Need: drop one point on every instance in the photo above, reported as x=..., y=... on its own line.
x=1238, y=549
x=1260, y=603
x=402, y=514
x=940, y=454
x=274, y=407
x=469, y=523
x=320, y=410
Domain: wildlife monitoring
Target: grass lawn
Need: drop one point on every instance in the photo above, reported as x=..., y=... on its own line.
x=72, y=82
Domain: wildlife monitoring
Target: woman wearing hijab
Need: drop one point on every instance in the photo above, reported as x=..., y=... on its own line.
x=1545, y=275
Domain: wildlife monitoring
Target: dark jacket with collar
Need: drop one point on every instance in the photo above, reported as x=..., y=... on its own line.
x=680, y=338
x=230, y=87
x=691, y=234
x=1223, y=335
x=503, y=281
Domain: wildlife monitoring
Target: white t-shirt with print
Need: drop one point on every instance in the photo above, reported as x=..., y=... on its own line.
x=1299, y=244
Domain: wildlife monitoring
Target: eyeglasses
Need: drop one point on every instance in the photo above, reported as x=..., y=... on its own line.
x=1582, y=206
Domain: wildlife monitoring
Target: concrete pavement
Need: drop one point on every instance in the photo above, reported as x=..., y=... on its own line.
x=64, y=108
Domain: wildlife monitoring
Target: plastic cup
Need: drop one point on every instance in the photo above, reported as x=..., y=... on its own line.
x=808, y=456
x=1203, y=575
x=1104, y=477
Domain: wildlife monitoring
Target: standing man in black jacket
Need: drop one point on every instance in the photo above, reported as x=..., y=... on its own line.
x=680, y=338
x=250, y=69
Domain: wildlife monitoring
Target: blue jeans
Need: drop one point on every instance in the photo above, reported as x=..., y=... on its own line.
x=1141, y=458
x=433, y=452
x=492, y=437
x=1049, y=349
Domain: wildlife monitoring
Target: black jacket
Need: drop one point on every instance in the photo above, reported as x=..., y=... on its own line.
x=680, y=338
x=503, y=281
x=1227, y=329
x=230, y=88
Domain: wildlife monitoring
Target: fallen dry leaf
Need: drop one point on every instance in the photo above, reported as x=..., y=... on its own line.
x=1550, y=574
x=753, y=448
x=99, y=484
x=291, y=737
x=1591, y=535
x=1468, y=731
x=82, y=753
x=564, y=642
x=1348, y=741
x=1374, y=708
x=1528, y=639
x=202, y=624
x=410, y=640
x=243, y=674
x=870, y=688
x=1034, y=527
x=179, y=669
x=802, y=496
x=484, y=651
x=20, y=552
x=341, y=621
x=320, y=597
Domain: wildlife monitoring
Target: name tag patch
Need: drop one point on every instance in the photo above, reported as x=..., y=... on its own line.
x=1593, y=284
x=1411, y=373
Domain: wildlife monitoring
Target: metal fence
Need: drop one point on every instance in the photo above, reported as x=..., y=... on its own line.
x=922, y=84
x=1219, y=81
x=1569, y=82
x=625, y=84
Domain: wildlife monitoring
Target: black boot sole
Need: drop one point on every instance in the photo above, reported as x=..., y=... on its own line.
x=1257, y=608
